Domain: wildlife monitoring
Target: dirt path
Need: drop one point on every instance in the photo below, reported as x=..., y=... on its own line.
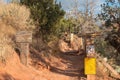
x=75, y=66
x=71, y=66
x=64, y=67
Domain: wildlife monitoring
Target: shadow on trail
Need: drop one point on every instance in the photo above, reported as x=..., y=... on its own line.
x=7, y=77
x=75, y=64
x=71, y=73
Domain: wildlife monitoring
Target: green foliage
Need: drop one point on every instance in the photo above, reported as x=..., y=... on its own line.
x=46, y=14
x=110, y=12
x=65, y=25
x=111, y=15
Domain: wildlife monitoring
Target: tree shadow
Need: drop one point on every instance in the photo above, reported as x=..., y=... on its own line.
x=68, y=58
x=7, y=76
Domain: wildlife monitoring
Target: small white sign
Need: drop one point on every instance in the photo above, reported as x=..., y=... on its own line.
x=90, y=49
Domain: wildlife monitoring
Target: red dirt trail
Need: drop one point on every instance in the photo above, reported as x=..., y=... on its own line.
x=14, y=70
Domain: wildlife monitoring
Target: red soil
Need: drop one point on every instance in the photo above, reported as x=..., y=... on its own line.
x=14, y=70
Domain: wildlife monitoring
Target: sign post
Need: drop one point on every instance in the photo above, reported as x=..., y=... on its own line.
x=24, y=38
x=90, y=60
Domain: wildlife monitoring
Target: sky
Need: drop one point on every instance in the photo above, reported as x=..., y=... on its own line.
x=67, y=4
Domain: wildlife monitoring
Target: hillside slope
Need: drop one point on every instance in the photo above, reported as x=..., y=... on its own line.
x=14, y=70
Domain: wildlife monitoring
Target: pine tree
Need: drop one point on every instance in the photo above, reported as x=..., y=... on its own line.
x=45, y=13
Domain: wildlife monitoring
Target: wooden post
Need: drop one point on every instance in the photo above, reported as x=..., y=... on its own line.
x=90, y=61
x=71, y=37
x=24, y=53
x=91, y=77
x=82, y=44
x=24, y=38
x=1, y=49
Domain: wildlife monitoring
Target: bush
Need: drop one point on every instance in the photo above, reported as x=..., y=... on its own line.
x=13, y=18
x=15, y=15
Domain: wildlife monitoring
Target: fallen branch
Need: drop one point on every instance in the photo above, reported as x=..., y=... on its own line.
x=110, y=68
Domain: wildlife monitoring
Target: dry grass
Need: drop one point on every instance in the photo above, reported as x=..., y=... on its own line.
x=16, y=16
x=13, y=18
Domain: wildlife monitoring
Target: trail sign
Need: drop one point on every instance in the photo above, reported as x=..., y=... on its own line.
x=90, y=60
x=24, y=36
x=90, y=50
x=90, y=66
